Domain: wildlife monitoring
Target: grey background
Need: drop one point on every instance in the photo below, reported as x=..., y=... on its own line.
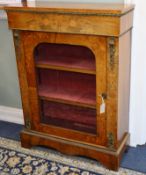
x=9, y=88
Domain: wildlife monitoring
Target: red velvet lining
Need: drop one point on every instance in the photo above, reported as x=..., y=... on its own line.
x=65, y=55
x=68, y=116
x=67, y=86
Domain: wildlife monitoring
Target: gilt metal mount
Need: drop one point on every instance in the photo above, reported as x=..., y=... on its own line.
x=110, y=140
x=16, y=36
x=112, y=50
x=27, y=123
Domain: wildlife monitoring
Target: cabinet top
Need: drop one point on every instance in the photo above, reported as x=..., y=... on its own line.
x=68, y=7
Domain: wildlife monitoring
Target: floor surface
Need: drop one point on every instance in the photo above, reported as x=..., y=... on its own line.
x=134, y=159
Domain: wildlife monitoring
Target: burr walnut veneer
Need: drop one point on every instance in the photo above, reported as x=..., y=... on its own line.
x=74, y=71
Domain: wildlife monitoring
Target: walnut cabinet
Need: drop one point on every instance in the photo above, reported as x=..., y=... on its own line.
x=74, y=72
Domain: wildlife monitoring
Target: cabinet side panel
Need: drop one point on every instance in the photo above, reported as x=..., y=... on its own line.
x=124, y=84
x=126, y=22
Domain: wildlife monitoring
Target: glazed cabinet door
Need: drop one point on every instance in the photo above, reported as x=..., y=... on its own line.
x=66, y=79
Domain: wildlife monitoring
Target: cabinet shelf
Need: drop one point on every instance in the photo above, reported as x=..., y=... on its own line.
x=67, y=87
x=65, y=57
x=68, y=64
x=68, y=97
x=68, y=116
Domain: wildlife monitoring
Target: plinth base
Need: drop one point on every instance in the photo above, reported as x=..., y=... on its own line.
x=108, y=157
